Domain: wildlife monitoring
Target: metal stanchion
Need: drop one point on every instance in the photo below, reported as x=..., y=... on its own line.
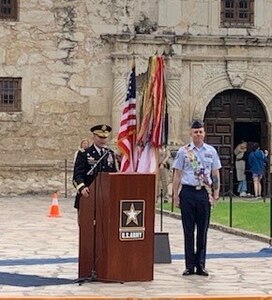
x=172, y=204
x=264, y=187
x=223, y=182
x=270, y=220
x=231, y=195
x=269, y=249
x=270, y=197
x=65, y=175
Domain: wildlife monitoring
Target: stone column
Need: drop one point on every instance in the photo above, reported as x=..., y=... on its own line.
x=175, y=111
x=120, y=73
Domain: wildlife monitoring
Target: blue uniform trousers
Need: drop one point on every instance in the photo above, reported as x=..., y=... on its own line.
x=195, y=213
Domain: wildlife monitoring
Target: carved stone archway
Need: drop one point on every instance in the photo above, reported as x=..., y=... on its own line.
x=235, y=115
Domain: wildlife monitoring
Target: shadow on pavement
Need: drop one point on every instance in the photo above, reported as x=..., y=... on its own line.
x=22, y=280
x=36, y=261
x=265, y=252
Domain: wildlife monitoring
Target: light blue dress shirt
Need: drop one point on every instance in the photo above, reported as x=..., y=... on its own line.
x=205, y=160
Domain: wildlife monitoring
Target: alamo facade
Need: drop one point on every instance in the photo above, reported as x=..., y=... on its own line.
x=64, y=67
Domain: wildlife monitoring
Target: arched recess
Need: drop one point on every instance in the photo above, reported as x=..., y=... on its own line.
x=231, y=116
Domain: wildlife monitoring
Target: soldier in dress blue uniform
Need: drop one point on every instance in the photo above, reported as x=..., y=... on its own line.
x=89, y=157
x=196, y=186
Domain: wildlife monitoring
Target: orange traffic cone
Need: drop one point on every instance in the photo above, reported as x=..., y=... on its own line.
x=54, y=209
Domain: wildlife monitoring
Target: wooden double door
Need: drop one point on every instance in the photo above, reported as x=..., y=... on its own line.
x=232, y=116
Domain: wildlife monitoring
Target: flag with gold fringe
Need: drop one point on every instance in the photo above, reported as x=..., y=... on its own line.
x=153, y=129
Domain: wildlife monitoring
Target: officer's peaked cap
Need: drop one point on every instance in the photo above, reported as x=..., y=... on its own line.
x=102, y=130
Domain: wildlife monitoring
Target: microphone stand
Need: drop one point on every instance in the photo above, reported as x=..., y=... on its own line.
x=93, y=276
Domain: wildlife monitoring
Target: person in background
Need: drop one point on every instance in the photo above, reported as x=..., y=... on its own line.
x=86, y=160
x=240, y=166
x=163, y=173
x=247, y=171
x=84, y=144
x=196, y=187
x=257, y=161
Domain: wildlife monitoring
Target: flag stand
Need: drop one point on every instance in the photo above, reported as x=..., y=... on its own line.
x=162, y=253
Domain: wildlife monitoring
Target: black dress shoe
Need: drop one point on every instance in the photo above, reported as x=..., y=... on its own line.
x=202, y=272
x=188, y=272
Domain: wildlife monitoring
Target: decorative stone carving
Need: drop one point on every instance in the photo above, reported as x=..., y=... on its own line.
x=174, y=68
x=141, y=65
x=197, y=78
x=213, y=70
x=237, y=72
x=206, y=94
x=119, y=91
x=197, y=112
x=260, y=70
x=173, y=94
x=174, y=72
x=145, y=25
x=260, y=89
x=120, y=68
x=120, y=71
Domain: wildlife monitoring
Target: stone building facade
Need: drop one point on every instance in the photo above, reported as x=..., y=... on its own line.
x=73, y=58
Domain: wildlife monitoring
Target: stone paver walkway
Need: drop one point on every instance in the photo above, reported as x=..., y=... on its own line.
x=38, y=256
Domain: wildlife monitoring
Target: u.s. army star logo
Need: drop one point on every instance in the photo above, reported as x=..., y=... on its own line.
x=132, y=220
x=132, y=215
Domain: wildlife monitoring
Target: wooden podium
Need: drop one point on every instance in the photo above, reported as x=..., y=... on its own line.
x=116, y=228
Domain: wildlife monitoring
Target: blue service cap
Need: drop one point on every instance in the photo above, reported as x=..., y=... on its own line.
x=197, y=124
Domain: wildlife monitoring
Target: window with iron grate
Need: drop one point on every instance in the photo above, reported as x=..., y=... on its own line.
x=9, y=10
x=10, y=91
x=237, y=13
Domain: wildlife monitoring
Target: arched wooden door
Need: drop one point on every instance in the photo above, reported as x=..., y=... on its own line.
x=220, y=135
x=230, y=117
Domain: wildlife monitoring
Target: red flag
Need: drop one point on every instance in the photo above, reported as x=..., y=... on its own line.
x=159, y=104
x=128, y=127
x=153, y=127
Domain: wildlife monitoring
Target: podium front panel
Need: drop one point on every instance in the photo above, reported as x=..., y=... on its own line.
x=128, y=256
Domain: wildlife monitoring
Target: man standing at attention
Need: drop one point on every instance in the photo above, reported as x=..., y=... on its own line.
x=90, y=158
x=196, y=187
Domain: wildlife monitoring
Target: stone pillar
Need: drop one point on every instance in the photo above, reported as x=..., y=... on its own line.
x=175, y=111
x=120, y=73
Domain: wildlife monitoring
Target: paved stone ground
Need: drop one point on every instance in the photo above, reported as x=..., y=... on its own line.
x=38, y=256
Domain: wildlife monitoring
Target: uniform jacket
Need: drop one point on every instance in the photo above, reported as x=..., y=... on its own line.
x=86, y=160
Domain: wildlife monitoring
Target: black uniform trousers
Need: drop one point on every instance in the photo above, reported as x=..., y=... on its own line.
x=195, y=213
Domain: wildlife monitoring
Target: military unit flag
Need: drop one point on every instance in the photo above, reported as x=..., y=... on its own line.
x=154, y=121
x=140, y=150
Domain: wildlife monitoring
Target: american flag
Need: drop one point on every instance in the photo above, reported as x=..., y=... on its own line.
x=128, y=126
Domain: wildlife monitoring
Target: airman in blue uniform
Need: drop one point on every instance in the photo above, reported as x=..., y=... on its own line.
x=196, y=187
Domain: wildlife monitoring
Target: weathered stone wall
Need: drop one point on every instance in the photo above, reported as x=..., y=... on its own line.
x=74, y=57
x=202, y=17
x=44, y=178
